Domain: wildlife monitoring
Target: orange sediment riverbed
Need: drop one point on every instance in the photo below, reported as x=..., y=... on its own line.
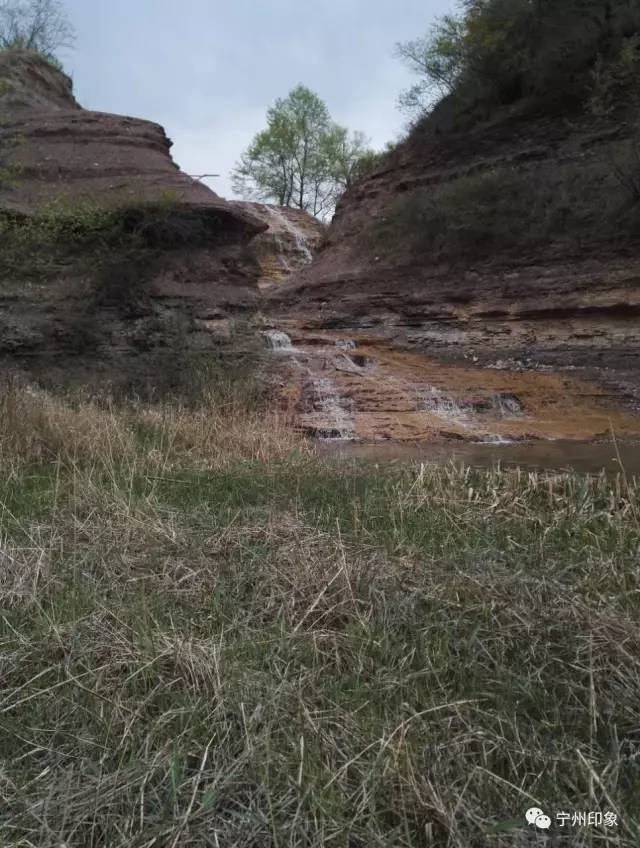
x=340, y=387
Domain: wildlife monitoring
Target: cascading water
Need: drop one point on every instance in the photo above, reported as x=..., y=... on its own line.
x=446, y=408
x=494, y=439
x=285, y=265
x=469, y=415
x=337, y=387
x=328, y=415
x=299, y=239
x=278, y=341
x=509, y=405
x=339, y=421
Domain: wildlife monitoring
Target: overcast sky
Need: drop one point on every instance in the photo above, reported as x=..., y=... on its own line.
x=207, y=70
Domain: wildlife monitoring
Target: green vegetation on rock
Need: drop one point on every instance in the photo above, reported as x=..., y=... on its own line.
x=498, y=52
x=96, y=265
x=508, y=209
x=91, y=238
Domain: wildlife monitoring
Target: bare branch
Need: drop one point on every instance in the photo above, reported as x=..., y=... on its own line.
x=40, y=25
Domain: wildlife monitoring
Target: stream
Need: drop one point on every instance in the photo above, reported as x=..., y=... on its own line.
x=362, y=398
x=582, y=457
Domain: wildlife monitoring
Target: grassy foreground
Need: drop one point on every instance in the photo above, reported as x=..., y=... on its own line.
x=208, y=637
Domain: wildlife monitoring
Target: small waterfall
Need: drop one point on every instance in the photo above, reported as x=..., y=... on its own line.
x=300, y=241
x=339, y=421
x=353, y=364
x=446, y=408
x=469, y=414
x=280, y=254
x=509, y=406
x=505, y=406
x=278, y=341
x=494, y=439
x=285, y=265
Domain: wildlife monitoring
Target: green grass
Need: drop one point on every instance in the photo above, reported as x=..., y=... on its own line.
x=225, y=641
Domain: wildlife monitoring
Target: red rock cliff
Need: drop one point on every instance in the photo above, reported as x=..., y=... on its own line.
x=62, y=159
x=554, y=296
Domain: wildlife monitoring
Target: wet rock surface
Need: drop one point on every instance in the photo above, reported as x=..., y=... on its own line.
x=361, y=389
x=537, y=342
x=288, y=245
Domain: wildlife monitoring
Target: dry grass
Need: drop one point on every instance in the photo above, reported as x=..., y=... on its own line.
x=209, y=638
x=37, y=426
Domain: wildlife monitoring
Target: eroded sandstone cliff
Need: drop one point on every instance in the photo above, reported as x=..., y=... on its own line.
x=507, y=248
x=60, y=151
x=109, y=251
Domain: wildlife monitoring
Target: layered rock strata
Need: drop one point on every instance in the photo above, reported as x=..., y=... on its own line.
x=558, y=301
x=195, y=274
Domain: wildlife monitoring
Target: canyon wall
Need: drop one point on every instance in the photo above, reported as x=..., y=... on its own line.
x=508, y=248
x=111, y=257
x=564, y=295
x=109, y=253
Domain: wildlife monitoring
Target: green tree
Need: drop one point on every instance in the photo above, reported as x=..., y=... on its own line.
x=302, y=159
x=499, y=51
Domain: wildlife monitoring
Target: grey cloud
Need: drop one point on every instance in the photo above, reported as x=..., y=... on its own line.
x=208, y=70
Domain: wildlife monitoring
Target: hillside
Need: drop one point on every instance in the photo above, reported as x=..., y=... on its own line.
x=510, y=245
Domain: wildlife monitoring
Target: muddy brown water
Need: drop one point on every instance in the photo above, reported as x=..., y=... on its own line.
x=581, y=457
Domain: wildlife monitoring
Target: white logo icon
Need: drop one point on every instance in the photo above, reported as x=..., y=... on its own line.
x=534, y=815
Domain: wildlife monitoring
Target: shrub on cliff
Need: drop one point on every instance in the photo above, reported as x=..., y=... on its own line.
x=39, y=25
x=69, y=229
x=509, y=209
x=500, y=51
x=469, y=215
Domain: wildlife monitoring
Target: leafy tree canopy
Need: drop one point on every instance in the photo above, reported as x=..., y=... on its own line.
x=302, y=159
